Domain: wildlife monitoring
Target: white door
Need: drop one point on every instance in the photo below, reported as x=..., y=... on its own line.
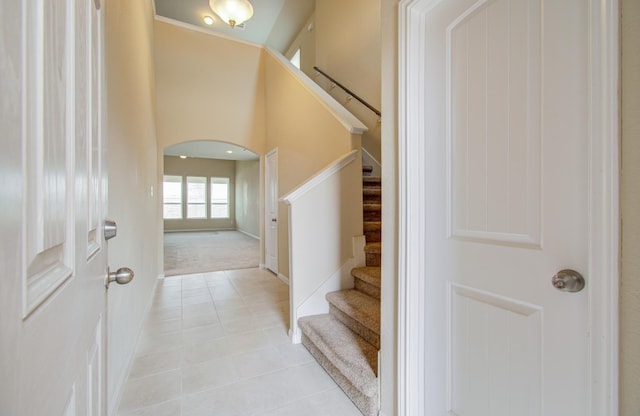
x=498, y=137
x=271, y=210
x=52, y=311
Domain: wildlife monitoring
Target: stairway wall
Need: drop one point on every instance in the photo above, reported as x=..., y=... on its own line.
x=324, y=218
x=308, y=133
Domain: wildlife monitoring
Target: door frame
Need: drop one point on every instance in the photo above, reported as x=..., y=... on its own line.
x=270, y=176
x=603, y=206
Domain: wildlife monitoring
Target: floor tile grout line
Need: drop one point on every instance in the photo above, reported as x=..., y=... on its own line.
x=247, y=379
x=262, y=332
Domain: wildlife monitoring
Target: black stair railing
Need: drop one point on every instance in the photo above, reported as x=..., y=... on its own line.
x=348, y=91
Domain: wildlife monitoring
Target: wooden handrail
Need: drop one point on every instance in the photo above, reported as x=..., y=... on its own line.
x=348, y=91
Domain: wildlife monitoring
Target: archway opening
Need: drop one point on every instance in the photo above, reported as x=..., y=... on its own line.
x=211, y=207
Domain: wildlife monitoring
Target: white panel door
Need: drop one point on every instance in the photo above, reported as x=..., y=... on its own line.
x=53, y=327
x=271, y=210
x=502, y=120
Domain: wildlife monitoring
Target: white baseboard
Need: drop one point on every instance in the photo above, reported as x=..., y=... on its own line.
x=296, y=337
x=283, y=278
x=248, y=234
x=359, y=256
x=316, y=303
x=197, y=230
x=367, y=159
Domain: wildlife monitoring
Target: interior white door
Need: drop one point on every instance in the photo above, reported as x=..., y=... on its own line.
x=502, y=107
x=271, y=210
x=53, y=325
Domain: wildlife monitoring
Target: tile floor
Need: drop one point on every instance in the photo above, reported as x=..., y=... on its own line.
x=216, y=344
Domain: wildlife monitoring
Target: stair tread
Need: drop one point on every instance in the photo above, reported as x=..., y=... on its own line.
x=354, y=357
x=375, y=247
x=372, y=225
x=371, y=207
x=370, y=275
x=360, y=307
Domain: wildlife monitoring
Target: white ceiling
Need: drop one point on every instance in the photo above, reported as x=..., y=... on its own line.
x=210, y=150
x=274, y=23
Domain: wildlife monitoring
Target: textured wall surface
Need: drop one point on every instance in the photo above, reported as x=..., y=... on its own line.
x=630, y=206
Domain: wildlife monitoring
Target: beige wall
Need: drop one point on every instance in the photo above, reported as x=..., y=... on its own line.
x=306, y=42
x=194, y=166
x=132, y=168
x=208, y=88
x=348, y=48
x=213, y=88
x=248, y=200
x=630, y=207
x=306, y=135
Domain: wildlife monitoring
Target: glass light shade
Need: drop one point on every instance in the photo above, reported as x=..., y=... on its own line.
x=234, y=12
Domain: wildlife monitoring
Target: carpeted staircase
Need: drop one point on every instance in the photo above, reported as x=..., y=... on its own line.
x=347, y=339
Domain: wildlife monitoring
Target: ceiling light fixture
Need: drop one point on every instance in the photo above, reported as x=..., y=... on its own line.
x=208, y=20
x=229, y=151
x=234, y=12
x=183, y=157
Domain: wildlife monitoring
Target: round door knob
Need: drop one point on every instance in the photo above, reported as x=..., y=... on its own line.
x=568, y=281
x=122, y=276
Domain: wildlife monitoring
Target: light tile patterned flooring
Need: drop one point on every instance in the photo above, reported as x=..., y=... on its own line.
x=216, y=344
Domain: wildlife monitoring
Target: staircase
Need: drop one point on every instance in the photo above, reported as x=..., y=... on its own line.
x=347, y=339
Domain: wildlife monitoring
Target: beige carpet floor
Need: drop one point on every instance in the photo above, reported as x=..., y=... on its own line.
x=209, y=251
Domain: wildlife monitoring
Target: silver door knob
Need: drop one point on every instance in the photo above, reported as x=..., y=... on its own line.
x=122, y=276
x=110, y=229
x=568, y=281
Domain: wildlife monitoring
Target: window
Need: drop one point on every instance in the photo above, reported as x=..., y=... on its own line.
x=295, y=59
x=196, y=197
x=172, y=197
x=219, y=197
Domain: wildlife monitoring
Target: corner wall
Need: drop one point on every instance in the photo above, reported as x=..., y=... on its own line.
x=132, y=170
x=348, y=48
x=248, y=197
x=208, y=88
x=630, y=207
x=307, y=135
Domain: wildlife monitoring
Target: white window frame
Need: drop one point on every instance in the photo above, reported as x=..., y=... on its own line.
x=219, y=180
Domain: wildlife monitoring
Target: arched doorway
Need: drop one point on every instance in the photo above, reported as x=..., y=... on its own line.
x=211, y=208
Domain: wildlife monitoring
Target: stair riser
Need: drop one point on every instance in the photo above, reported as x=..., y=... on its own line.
x=371, y=199
x=372, y=196
x=371, y=215
x=373, y=259
x=372, y=181
x=367, y=405
x=370, y=336
x=367, y=289
x=373, y=236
